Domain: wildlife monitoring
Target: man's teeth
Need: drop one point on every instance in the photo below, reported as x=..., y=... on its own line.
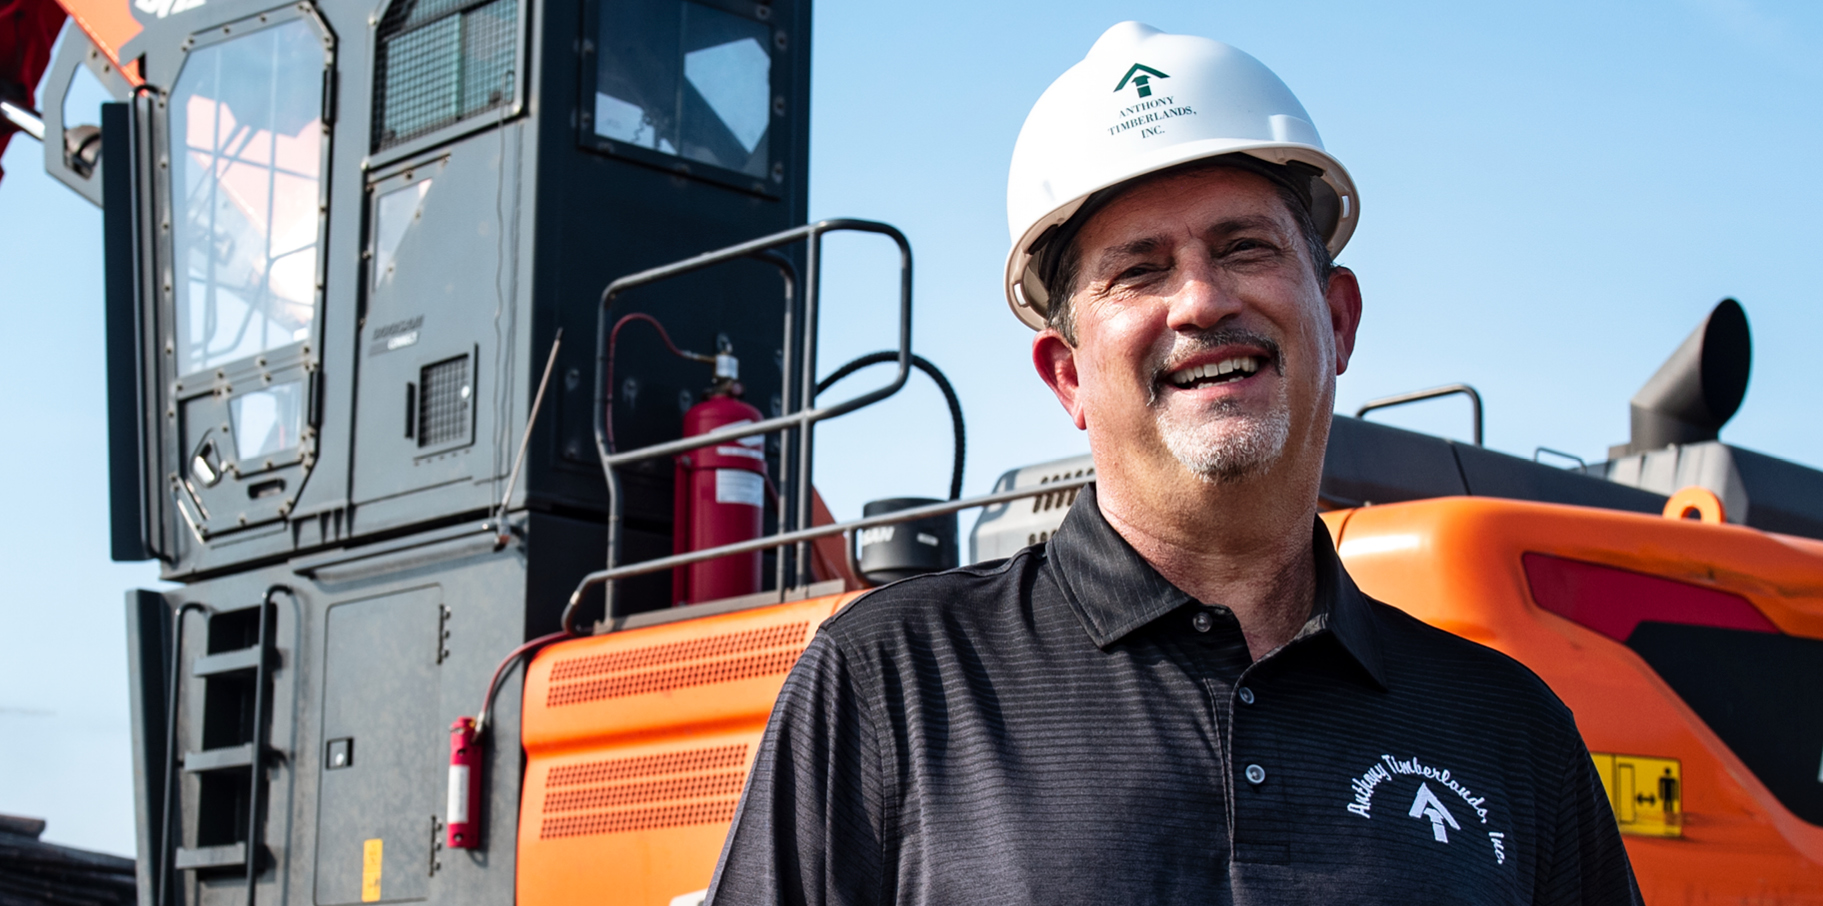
x=1226, y=369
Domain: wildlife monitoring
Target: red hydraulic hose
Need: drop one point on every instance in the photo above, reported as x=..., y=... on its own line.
x=614, y=336
x=506, y=663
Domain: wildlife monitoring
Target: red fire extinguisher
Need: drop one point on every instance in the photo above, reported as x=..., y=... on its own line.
x=721, y=492
x=463, y=814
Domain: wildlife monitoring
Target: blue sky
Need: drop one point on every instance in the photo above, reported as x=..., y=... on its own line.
x=1553, y=195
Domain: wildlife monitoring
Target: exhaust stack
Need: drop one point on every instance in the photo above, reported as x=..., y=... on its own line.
x=1698, y=389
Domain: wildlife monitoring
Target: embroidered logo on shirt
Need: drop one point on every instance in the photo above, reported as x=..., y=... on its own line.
x=1427, y=802
x=1426, y=805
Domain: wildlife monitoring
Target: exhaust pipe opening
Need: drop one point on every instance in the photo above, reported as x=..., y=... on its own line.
x=1698, y=389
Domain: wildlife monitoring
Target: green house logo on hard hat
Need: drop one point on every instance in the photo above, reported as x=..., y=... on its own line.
x=1141, y=76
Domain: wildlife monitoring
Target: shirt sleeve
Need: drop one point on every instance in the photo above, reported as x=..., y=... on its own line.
x=1586, y=860
x=808, y=829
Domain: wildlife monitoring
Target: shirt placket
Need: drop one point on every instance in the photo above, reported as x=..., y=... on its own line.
x=1258, y=806
x=1221, y=657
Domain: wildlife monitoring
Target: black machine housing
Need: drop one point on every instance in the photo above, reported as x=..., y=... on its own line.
x=341, y=241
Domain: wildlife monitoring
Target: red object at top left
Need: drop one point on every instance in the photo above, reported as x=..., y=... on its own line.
x=28, y=29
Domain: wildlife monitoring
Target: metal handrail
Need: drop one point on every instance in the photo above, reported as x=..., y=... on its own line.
x=23, y=118
x=801, y=536
x=262, y=680
x=805, y=415
x=1580, y=462
x=168, y=841
x=1416, y=395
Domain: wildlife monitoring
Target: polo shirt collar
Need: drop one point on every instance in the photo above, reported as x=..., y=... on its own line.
x=1110, y=586
x=1342, y=609
x=1114, y=591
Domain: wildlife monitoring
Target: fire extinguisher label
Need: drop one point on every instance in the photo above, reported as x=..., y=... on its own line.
x=737, y=486
x=458, y=794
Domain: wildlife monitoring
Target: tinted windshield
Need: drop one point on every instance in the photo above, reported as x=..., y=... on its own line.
x=684, y=79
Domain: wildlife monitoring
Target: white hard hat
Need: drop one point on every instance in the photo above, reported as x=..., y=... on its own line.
x=1144, y=101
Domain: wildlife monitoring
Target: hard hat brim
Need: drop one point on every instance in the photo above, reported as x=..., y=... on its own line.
x=1032, y=312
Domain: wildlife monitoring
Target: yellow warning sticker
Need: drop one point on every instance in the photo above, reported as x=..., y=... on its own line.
x=372, y=857
x=1647, y=793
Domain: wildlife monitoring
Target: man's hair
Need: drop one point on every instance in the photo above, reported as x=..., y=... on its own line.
x=1066, y=273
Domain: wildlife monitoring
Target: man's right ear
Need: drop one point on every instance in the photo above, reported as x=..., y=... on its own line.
x=1055, y=360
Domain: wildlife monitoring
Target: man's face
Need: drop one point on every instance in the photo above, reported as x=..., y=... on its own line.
x=1204, y=341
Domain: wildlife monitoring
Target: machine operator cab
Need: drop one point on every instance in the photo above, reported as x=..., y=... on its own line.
x=330, y=234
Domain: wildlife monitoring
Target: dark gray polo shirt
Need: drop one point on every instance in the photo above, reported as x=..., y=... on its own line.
x=1067, y=727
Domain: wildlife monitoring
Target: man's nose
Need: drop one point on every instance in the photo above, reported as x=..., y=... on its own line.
x=1202, y=298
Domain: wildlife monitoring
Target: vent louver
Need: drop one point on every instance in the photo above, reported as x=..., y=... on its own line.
x=725, y=658
x=674, y=789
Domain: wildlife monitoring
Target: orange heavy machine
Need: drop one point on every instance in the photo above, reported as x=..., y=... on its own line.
x=1685, y=648
x=1685, y=638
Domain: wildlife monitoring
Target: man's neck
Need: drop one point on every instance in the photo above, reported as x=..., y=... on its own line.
x=1244, y=544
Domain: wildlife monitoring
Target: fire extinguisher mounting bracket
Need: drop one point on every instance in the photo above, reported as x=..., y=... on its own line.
x=800, y=412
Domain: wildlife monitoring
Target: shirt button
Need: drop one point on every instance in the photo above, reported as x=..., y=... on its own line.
x=1203, y=621
x=1245, y=694
x=1256, y=775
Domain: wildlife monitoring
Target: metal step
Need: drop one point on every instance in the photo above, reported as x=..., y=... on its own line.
x=229, y=856
x=219, y=759
x=226, y=662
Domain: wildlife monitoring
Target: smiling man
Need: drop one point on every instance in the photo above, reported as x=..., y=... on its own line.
x=1181, y=697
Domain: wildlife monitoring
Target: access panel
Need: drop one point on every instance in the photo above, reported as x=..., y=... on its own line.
x=379, y=806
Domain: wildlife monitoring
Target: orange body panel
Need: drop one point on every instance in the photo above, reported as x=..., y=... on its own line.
x=1455, y=563
x=627, y=797
x=637, y=744
x=110, y=24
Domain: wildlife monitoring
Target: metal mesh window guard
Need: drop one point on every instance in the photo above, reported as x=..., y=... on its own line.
x=441, y=62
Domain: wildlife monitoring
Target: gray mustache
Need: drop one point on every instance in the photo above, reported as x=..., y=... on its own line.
x=1191, y=343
